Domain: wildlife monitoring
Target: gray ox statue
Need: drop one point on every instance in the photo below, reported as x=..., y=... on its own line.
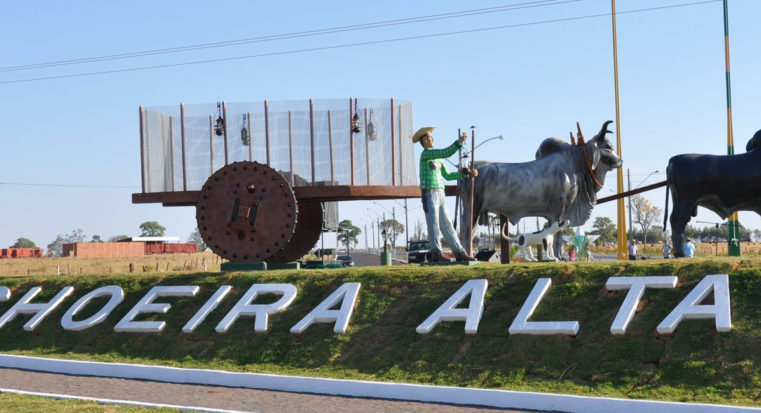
x=561, y=184
x=721, y=183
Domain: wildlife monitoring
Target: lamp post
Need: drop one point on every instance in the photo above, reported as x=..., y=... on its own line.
x=385, y=257
x=499, y=137
x=393, y=217
x=378, y=226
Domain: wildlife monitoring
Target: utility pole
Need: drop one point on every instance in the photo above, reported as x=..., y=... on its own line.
x=620, y=216
x=733, y=249
x=406, y=225
x=367, y=247
x=393, y=217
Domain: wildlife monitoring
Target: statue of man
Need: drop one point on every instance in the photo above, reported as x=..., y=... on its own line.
x=432, y=170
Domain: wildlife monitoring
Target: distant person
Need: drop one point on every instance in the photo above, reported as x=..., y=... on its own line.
x=688, y=248
x=432, y=175
x=572, y=253
x=666, y=250
x=632, y=250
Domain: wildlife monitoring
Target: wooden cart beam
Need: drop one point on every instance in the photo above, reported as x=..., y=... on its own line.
x=303, y=193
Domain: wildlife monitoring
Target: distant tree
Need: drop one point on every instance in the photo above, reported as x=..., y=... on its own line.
x=644, y=214
x=604, y=227
x=393, y=228
x=418, y=234
x=757, y=234
x=196, y=238
x=96, y=238
x=152, y=229
x=55, y=248
x=24, y=243
x=348, y=233
x=117, y=238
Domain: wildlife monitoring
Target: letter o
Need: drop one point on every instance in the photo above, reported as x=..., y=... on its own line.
x=114, y=291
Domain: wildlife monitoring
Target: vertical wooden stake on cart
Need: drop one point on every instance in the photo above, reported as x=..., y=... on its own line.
x=472, y=188
x=457, y=199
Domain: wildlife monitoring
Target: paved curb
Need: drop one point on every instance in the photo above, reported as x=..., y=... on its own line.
x=357, y=388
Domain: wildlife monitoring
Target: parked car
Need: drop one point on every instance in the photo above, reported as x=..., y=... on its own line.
x=346, y=260
x=417, y=251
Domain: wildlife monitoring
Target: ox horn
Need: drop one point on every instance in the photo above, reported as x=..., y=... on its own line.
x=604, y=129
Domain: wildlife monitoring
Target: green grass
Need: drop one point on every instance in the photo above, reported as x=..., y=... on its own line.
x=19, y=403
x=694, y=364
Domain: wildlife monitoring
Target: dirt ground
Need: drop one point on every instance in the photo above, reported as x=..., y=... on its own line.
x=22, y=267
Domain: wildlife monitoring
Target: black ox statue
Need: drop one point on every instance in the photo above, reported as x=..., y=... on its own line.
x=561, y=184
x=721, y=183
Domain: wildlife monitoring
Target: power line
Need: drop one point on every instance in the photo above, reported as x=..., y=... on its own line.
x=347, y=45
x=316, y=32
x=70, y=185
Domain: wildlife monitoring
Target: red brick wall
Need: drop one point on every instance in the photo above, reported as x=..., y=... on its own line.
x=20, y=253
x=104, y=249
x=159, y=248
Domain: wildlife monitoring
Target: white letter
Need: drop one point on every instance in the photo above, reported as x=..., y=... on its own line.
x=521, y=325
x=260, y=311
x=447, y=312
x=117, y=295
x=145, y=306
x=347, y=295
x=689, y=308
x=40, y=310
x=636, y=286
x=210, y=305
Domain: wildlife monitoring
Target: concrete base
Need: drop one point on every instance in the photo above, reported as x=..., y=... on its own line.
x=259, y=266
x=243, y=266
x=295, y=265
x=439, y=263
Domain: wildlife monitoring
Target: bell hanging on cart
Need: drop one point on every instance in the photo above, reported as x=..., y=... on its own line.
x=356, y=123
x=244, y=136
x=371, y=133
x=219, y=125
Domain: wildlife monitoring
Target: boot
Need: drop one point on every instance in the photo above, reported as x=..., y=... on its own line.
x=462, y=256
x=435, y=256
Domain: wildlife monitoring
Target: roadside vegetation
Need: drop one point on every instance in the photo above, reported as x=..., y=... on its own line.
x=695, y=364
x=19, y=403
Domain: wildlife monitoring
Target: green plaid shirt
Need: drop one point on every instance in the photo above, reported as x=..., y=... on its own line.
x=431, y=178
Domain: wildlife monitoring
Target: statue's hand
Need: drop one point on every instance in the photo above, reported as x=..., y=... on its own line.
x=463, y=137
x=470, y=172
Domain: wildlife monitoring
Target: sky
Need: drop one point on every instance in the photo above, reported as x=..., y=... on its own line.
x=526, y=69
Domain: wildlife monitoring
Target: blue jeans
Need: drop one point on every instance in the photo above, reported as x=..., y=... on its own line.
x=437, y=218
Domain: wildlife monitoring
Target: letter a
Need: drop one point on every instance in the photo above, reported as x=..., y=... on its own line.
x=689, y=308
x=346, y=295
x=448, y=311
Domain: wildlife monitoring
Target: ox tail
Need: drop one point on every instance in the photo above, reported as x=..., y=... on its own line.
x=507, y=237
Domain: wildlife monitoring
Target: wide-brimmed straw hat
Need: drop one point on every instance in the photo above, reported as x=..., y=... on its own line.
x=421, y=132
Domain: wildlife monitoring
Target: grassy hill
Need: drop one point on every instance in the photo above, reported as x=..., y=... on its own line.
x=694, y=364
